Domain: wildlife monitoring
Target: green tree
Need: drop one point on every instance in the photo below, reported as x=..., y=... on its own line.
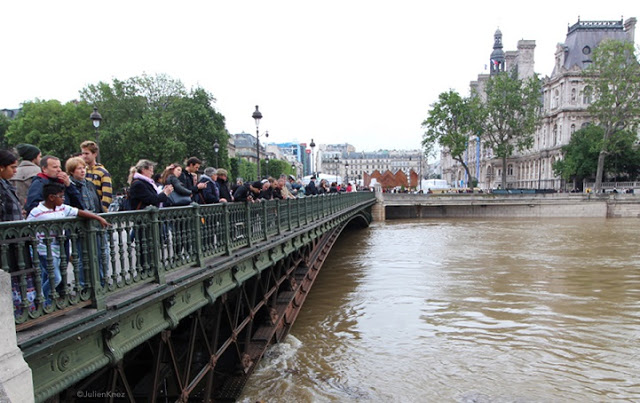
x=158, y=119
x=275, y=168
x=509, y=115
x=4, y=126
x=580, y=156
x=614, y=82
x=449, y=125
x=55, y=128
x=241, y=168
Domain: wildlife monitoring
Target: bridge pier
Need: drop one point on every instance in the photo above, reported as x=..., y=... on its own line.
x=378, y=211
x=16, y=383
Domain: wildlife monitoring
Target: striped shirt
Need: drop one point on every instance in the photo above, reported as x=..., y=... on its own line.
x=101, y=178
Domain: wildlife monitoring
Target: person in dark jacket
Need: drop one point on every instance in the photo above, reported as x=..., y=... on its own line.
x=310, y=189
x=242, y=193
x=334, y=188
x=10, y=207
x=51, y=173
x=143, y=191
x=266, y=192
x=189, y=175
x=211, y=193
x=223, y=186
x=170, y=177
x=77, y=170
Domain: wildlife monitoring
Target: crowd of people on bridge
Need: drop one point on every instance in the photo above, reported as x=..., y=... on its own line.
x=88, y=186
x=37, y=187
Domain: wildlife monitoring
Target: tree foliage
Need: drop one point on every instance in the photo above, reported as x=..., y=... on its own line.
x=4, y=127
x=449, y=125
x=614, y=81
x=580, y=156
x=509, y=115
x=56, y=128
x=155, y=118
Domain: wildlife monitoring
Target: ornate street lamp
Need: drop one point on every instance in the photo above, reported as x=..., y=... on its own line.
x=346, y=172
x=312, y=145
x=96, y=118
x=216, y=148
x=293, y=169
x=266, y=160
x=257, y=116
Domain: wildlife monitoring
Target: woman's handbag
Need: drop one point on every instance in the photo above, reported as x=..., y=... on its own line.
x=179, y=200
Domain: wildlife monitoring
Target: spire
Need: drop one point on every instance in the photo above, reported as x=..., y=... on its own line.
x=497, y=56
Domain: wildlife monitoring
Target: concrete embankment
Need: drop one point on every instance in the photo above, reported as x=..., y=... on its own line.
x=397, y=206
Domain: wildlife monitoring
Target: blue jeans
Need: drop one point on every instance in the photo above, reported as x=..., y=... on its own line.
x=46, y=286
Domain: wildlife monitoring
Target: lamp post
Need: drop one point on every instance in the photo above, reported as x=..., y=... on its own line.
x=346, y=172
x=96, y=118
x=312, y=145
x=216, y=148
x=257, y=116
x=293, y=169
x=266, y=160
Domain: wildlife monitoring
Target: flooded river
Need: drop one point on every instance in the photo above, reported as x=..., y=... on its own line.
x=467, y=310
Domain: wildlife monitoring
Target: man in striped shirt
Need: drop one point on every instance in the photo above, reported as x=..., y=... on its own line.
x=97, y=174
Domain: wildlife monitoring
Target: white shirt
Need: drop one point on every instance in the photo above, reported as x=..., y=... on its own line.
x=41, y=212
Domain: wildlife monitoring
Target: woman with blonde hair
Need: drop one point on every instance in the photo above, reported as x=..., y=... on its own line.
x=76, y=168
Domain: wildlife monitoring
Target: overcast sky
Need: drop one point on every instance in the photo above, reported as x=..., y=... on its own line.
x=362, y=72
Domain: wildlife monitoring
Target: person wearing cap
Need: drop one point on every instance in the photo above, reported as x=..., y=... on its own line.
x=266, y=190
x=311, y=189
x=223, y=185
x=29, y=167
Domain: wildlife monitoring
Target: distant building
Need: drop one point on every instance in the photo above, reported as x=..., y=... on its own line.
x=10, y=113
x=353, y=166
x=245, y=147
x=565, y=104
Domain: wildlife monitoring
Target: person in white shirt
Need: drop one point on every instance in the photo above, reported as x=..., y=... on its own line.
x=51, y=208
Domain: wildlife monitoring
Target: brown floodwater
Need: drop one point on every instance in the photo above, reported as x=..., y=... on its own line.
x=467, y=310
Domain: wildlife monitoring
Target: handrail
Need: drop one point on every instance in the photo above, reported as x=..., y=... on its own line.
x=140, y=247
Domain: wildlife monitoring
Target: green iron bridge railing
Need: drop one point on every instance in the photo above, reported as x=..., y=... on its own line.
x=139, y=247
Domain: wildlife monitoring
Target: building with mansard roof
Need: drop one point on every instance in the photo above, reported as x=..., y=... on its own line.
x=343, y=161
x=564, y=110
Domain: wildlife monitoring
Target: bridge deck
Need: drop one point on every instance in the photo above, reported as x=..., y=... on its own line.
x=144, y=274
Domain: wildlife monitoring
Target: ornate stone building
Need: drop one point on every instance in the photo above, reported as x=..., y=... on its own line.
x=564, y=108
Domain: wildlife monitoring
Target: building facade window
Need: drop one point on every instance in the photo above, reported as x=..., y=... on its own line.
x=586, y=95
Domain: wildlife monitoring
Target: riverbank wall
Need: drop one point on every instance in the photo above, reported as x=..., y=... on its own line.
x=555, y=205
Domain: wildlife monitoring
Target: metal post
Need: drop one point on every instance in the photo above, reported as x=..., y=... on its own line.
x=257, y=116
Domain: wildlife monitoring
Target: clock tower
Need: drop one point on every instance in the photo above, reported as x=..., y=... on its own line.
x=497, y=56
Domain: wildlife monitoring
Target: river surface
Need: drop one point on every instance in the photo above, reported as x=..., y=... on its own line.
x=465, y=310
